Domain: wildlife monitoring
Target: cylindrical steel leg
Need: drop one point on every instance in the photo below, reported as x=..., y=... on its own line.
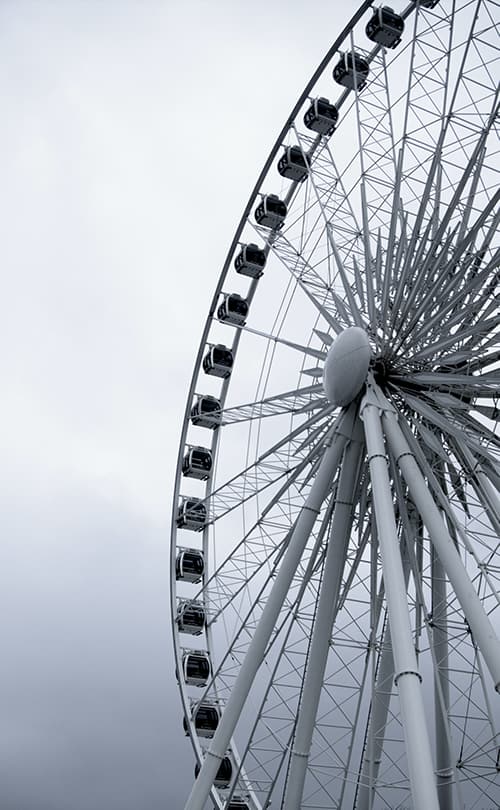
x=256, y=651
x=407, y=676
x=444, y=769
x=482, y=629
x=325, y=616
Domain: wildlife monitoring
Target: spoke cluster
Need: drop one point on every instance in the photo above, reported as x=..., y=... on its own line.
x=392, y=230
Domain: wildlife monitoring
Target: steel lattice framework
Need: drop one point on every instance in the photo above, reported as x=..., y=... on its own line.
x=345, y=607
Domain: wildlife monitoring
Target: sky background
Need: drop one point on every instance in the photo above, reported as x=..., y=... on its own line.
x=131, y=135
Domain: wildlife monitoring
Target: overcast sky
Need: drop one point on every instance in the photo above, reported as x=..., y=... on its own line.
x=131, y=134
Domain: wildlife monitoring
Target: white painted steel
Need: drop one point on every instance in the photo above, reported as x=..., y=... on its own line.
x=346, y=366
x=440, y=641
x=391, y=233
x=406, y=672
x=260, y=640
x=482, y=629
x=325, y=616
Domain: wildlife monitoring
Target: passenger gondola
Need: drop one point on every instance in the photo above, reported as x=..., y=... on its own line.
x=250, y=261
x=223, y=776
x=238, y=804
x=197, y=463
x=385, y=27
x=233, y=309
x=206, y=412
x=196, y=668
x=191, y=617
x=206, y=719
x=191, y=514
x=271, y=212
x=294, y=164
x=321, y=117
x=352, y=71
x=189, y=565
x=218, y=361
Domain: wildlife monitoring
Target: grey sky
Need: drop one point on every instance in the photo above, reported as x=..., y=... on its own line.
x=131, y=135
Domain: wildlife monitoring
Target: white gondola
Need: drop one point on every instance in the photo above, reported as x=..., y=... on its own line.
x=189, y=565
x=191, y=617
x=206, y=718
x=191, y=514
x=218, y=361
x=352, y=71
x=271, y=212
x=197, y=463
x=385, y=27
x=206, y=412
x=294, y=164
x=224, y=774
x=250, y=261
x=196, y=667
x=233, y=309
x=321, y=116
x=237, y=803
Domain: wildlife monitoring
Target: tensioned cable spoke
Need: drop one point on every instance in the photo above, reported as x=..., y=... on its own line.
x=296, y=401
x=323, y=623
x=285, y=459
x=267, y=621
x=391, y=229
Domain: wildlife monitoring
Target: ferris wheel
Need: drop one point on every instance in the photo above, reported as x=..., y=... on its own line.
x=335, y=534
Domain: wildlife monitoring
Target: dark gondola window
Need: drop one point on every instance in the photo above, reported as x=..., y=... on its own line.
x=385, y=27
x=197, y=463
x=196, y=668
x=293, y=164
x=191, y=618
x=321, y=117
x=351, y=71
x=233, y=309
x=189, y=566
x=206, y=720
x=250, y=261
x=224, y=774
x=206, y=412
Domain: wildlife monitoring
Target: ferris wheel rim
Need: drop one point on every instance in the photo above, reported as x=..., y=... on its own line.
x=205, y=334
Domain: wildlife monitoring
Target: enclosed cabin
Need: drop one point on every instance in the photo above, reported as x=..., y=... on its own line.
x=271, y=212
x=191, y=617
x=250, y=261
x=233, y=309
x=206, y=412
x=294, y=164
x=237, y=804
x=224, y=774
x=427, y=3
x=205, y=718
x=197, y=463
x=352, y=71
x=196, y=668
x=385, y=27
x=191, y=514
x=218, y=361
x=189, y=565
x=321, y=116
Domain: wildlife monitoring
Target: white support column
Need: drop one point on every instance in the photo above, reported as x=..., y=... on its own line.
x=444, y=765
x=270, y=613
x=376, y=731
x=336, y=554
x=407, y=676
x=482, y=629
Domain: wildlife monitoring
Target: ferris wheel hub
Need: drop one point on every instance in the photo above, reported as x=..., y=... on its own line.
x=346, y=366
